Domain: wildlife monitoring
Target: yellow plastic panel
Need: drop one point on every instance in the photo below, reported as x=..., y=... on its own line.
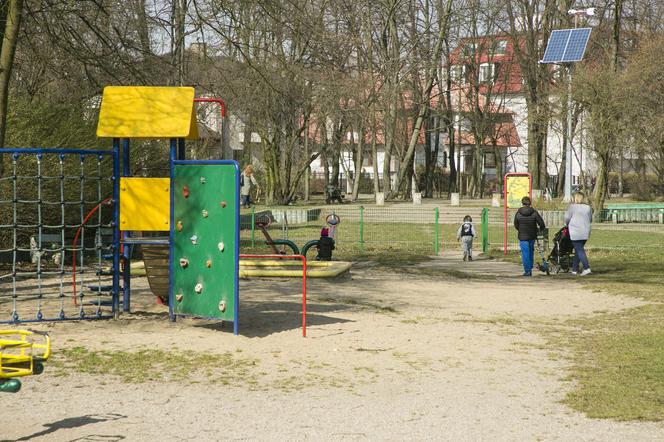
x=145, y=204
x=147, y=112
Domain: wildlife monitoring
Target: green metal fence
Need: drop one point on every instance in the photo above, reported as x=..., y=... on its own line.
x=417, y=230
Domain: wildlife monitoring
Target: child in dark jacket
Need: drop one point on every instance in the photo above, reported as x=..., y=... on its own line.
x=527, y=221
x=325, y=246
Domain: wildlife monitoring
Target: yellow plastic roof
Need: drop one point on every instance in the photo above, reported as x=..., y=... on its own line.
x=147, y=112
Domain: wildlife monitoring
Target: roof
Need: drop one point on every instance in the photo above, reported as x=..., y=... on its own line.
x=505, y=134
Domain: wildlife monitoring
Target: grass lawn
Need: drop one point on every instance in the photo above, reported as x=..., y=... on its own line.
x=618, y=358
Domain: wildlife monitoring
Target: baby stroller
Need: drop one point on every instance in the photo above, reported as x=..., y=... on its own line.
x=562, y=252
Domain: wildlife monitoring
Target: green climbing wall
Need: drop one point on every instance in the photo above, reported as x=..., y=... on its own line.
x=205, y=249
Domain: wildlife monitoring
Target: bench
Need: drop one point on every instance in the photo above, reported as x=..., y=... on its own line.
x=52, y=247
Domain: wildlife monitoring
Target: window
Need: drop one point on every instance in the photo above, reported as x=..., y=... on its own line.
x=498, y=69
x=487, y=72
x=456, y=72
x=469, y=49
x=500, y=47
x=489, y=160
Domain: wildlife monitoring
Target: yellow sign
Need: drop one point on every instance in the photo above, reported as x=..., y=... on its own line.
x=516, y=187
x=147, y=112
x=145, y=204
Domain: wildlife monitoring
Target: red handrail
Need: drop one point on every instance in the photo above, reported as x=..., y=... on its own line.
x=73, y=254
x=213, y=100
x=304, y=281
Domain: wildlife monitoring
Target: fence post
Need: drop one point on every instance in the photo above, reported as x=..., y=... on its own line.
x=435, y=230
x=485, y=230
x=253, y=225
x=362, y=229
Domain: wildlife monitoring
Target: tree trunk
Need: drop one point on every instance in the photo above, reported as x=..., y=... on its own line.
x=431, y=156
x=142, y=28
x=498, y=159
x=374, y=156
x=307, y=175
x=388, y=134
x=452, y=183
x=477, y=175
x=359, y=158
x=7, y=51
x=178, y=11
x=601, y=186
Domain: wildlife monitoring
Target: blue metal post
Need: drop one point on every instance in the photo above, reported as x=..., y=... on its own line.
x=236, y=288
x=126, y=291
x=171, y=236
x=116, y=227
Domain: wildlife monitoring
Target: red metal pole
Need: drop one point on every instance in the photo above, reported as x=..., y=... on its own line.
x=505, y=217
x=304, y=296
x=213, y=100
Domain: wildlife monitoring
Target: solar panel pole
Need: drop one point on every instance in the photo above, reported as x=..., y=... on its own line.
x=568, y=148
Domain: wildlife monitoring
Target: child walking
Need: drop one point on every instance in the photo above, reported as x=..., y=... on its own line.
x=465, y=234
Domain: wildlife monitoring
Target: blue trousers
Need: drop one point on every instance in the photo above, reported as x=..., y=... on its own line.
x=579, y=255
x=527, y=254
x=246, y=201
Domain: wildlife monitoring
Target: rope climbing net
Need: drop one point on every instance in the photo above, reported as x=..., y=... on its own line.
x=56, y=235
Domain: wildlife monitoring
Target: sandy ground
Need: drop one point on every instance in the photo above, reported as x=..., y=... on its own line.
x=443, y=351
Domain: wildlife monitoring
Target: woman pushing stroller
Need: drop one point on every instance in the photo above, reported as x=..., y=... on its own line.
x=578, y=219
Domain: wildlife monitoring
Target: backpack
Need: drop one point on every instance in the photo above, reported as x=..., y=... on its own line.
x=241, y=180
x=467, y=229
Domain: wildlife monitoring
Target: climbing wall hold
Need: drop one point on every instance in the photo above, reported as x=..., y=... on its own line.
x=179, y=297
x=202, y=180
x=204, y=213
x=222, y=306
x=194, y=239
x=198, y=288
x=222, y=204
x=179, y=226
x=185, y=191
x=208, y=263
x=184, y=262
x=220, y=246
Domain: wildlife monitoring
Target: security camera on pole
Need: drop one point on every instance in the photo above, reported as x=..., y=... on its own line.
x=567, y=46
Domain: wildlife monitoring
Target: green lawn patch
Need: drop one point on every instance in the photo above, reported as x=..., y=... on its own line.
x=154, y=365
x=619, y=365
x=618, y=358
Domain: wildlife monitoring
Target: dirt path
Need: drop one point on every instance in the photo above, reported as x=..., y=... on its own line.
x=439, y=351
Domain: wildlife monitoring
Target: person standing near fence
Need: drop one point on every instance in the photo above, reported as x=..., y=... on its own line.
x=465, y=234
x=526, y=222
x=578, y=219
x=246, y=180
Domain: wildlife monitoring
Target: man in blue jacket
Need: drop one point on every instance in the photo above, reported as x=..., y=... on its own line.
x=526, y=221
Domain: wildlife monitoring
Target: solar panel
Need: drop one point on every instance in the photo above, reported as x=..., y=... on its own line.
x=578, y=39
x=556, y=48
x=566, y=45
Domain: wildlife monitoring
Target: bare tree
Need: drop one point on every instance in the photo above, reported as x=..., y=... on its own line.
x=10, y=16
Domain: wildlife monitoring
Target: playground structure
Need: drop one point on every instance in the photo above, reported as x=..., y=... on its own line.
x=264, y=221
x=21, y=355
x=194, y=212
